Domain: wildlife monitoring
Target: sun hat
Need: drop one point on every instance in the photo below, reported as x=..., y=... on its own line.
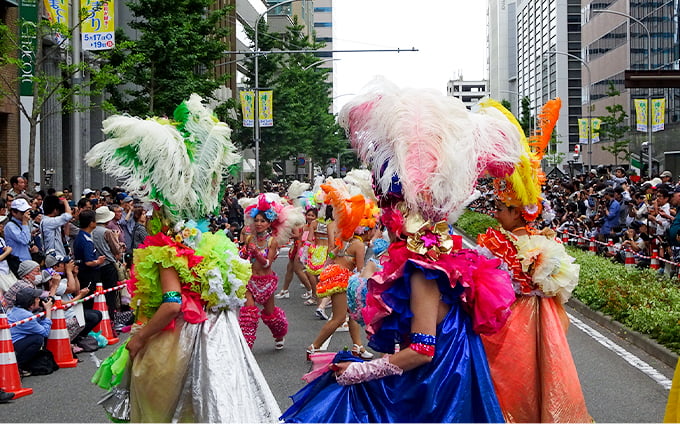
x=103, y=215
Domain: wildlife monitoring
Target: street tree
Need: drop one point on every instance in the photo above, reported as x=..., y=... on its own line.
x=51, y=42
x=613, y=128
x=179, y=43
x=525, y=115
x=302, y=102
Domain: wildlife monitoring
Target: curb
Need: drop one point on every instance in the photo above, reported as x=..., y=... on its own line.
x=653, y=348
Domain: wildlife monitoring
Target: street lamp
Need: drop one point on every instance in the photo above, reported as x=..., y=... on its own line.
x=256, y=90
x=649, y=90
x=590, y=97
x=318, y=62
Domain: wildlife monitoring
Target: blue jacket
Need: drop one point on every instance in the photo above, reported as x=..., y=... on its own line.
x=41, y=326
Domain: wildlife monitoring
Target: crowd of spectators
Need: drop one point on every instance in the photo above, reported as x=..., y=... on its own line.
x=621, y=212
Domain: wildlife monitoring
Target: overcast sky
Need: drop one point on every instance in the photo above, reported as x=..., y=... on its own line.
x=449, y=34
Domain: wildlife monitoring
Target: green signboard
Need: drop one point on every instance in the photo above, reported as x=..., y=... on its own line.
x=28, y=14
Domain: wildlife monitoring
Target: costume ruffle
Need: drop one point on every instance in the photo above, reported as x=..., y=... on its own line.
x=333, y=279
x=673, y=406
x=215, y=278
x=357, y=287
x=316, y=259
x=485, y=291
x=537, y=261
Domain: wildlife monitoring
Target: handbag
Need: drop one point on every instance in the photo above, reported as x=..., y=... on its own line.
x=13, y=261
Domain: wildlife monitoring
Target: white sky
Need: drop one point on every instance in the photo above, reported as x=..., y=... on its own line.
x=449, y=34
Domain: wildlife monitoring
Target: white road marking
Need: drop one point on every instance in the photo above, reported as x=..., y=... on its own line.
x=633, y=360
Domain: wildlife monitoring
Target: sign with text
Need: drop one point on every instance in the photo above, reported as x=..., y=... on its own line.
x=266, y=112
x=97, y=31
x=28, y=12
x=57, y=11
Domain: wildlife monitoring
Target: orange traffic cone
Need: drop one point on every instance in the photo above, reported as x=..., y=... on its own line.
x=654, y=264
x=105, y=324
x=9, y=370
x=59, y=342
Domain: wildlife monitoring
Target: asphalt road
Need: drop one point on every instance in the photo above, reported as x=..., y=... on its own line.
x=621, y=383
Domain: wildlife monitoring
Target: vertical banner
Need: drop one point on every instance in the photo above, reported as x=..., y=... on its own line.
x=266, y=112
x=583, y=130
x=641, y=114
x=57, y=11
x=597, y=122
x=658, y=113
x=248, y=108
x=28, y=14
x=266, y=108
x=97, y=30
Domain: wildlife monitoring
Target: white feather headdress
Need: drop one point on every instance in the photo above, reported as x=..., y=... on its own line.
x=178, y=164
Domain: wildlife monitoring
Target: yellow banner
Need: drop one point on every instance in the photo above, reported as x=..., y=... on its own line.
x=266, y=112
x=57, y=11
x=583, y=130
x=248, y=108
x=266, y=108
x=97, y=29
x=658, y=114
x=641, y=114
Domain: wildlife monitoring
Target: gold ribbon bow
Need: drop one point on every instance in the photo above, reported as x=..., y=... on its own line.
x=431, y=240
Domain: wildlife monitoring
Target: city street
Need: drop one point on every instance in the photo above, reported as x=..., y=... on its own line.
x=615, y=390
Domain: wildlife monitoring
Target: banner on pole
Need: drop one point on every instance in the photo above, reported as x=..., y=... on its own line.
x=58, y=14
x=658, y=113
x=641, y=114
x=583, y=128
x=97, y=31
x=266, y=112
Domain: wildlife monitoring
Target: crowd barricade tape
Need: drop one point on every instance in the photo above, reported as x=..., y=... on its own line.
x=59, y=342
x=10, y=381
x=105, y=324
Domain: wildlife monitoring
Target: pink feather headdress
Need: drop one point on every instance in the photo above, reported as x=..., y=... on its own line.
x=427, y=149
x=283, y=216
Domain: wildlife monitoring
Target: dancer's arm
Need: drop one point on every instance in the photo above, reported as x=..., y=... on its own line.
x=167, y=312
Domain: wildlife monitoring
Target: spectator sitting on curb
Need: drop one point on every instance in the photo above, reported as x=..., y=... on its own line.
x=29, y=337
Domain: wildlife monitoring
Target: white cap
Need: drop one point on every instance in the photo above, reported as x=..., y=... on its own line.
x=87, y=191
x=20, y=205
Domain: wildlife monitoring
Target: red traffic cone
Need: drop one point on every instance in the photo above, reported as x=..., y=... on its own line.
x=9, y=370
x=630, y=259
x=565, y=238
x=654, y=264
x=592, y=247
x=581, y=240
x=59, y=342
x=105, y=324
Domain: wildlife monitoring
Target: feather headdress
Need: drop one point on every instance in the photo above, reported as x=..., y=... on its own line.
x=282, y=216
x=427, y=149
x=296, y=192
x=177, y=163
x=349, y=209
x=522, y=188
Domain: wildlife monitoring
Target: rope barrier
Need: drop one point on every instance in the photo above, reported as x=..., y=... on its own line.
x=577, y=236
x=70, y=304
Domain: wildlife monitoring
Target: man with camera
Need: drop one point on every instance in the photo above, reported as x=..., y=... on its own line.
x=608, y=210
x=57, y=214
x=29, y=337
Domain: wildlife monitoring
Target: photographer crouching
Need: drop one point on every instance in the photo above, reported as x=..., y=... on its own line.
x=29, y=338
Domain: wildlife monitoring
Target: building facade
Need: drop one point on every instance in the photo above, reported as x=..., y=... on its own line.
x=469, y=92
x=9, y=112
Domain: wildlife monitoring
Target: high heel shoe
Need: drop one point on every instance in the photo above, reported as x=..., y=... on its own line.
x=278, y=344
x=306, y=295
x=360, y=352
x=283, y=294
x=311, y=350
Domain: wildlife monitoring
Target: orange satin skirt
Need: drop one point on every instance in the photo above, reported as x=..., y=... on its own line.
x=532, y=367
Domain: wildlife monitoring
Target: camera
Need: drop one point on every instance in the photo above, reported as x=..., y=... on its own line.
x=77, y=261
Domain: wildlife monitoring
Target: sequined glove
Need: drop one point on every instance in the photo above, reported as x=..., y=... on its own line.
x=359, y=372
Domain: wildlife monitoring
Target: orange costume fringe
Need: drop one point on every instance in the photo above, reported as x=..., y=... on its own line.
x=333, y=279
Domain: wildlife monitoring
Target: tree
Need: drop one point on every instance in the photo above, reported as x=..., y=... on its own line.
x=506, y=104
x=525, y=116
x=302, y=101
x=613, y=128
x=49, y=86
x=179, y=43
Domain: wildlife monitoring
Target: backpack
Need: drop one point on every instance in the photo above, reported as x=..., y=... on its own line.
x=13, y=261
x=43, y=363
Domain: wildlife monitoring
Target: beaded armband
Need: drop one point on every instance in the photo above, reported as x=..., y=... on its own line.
x=423, y=344
x=172, y=297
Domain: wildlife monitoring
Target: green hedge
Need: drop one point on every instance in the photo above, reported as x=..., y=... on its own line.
x=641, y=300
